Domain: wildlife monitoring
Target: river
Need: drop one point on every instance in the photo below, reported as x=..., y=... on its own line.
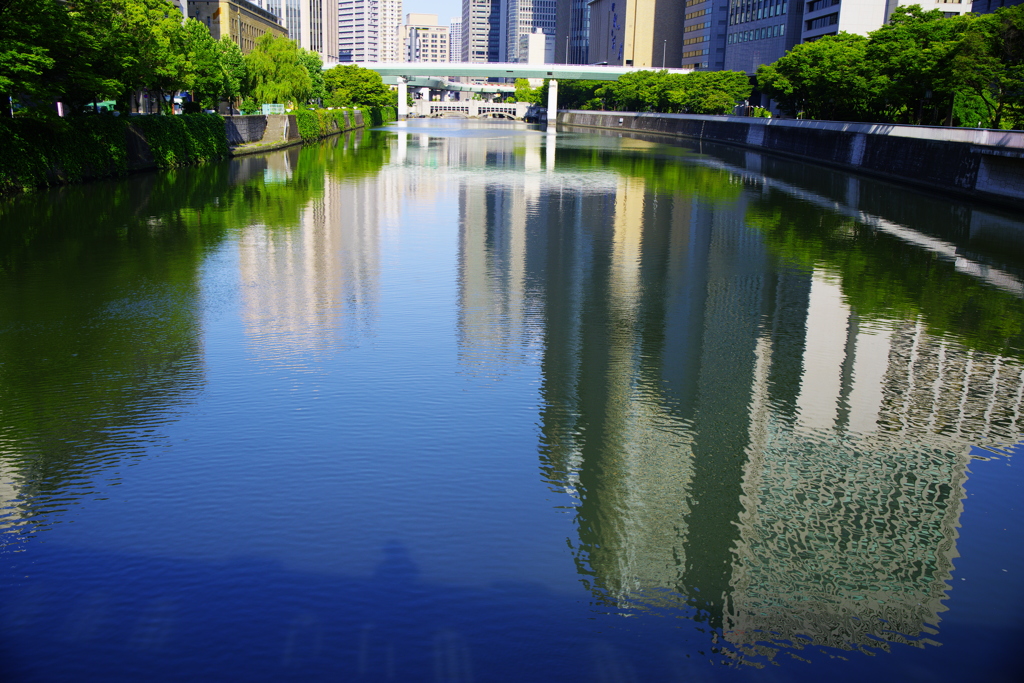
x=462, y=401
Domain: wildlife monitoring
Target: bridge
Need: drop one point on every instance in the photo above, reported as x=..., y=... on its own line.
x=404, y=71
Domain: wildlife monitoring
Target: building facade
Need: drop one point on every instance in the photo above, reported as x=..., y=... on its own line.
x=829, y=17
x=455, y=40
x=242, y=21
x=423, y=40
x=989, y=6
x=636, y=33
x=481, y=30
x=368, y=30
x=522, y=18
x=761, y=32
x=572, y=32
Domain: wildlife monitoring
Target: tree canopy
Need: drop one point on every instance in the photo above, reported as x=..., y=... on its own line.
x=351, y=85
x=84, y=51
x=700, y=92
x=921, y=67
x=276, y=72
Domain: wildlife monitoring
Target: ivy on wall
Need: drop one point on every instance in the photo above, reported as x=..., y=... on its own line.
x=319, y=123
x=47, y=152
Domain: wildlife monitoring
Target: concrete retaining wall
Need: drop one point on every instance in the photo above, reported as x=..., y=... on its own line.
x=243, y=129
x=275, y=130
x=985, y=164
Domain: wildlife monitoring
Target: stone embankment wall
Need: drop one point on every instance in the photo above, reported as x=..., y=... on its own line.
x=244, y=129
x=984, y=164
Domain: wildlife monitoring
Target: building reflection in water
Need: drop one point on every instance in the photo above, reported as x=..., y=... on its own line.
x=743, y=444
x=314, y=283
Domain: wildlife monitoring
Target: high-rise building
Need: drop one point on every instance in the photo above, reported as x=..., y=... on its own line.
x=636, y=32
x=423, y=40
x=521, y=18
x=313, y=24
x=368, y=30
x=572, y=32
x=481, y=30
x=759, y=34
x=455, y=40
x=288, y=11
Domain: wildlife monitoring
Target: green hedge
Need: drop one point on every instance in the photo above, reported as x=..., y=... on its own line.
x=319, y=123
x=183, y=140
x=378, y=116
x=54, y=151
x=315, y=124
x=60, y=151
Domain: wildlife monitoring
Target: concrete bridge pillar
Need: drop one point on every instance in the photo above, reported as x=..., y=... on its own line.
x=552, y=105
x=403, y=98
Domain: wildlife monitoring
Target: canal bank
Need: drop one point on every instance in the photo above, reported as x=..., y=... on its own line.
x=968, y=162
x=47, y=153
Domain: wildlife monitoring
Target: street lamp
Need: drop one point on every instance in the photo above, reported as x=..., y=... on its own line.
x=664, y=47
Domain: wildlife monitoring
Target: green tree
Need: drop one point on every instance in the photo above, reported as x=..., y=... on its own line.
x=26, y=48
x=315, y=66
x=275, y=72
x=526, y=93
x=579, y=94
x=352, y=85
x=990, y=65
x=153, y=53
x=709, y=92
x=661, y=91
x=204, y=71
x=233, y=64
x=825, y=79
x=912, y=57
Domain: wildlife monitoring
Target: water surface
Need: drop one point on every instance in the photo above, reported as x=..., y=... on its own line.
x=464, y=401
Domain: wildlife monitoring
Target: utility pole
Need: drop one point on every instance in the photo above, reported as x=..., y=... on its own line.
x=664, y=47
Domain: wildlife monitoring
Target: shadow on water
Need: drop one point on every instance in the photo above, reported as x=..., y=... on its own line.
x=249, y=619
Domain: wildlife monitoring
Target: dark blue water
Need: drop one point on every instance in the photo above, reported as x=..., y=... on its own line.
x=466, y=402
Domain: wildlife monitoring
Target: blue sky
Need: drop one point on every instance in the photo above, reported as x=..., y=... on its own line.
x=444, y=9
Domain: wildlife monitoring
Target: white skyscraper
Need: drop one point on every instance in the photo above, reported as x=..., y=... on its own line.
x=368, y=30
x=455, y=40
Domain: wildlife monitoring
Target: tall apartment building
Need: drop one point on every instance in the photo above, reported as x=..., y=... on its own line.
x=368, y=30
x=521, y=18
x=481, y=30
x=636, y=32
x=455, y=40
x=423, y=40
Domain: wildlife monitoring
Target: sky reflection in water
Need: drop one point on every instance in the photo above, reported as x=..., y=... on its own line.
x=457, y=403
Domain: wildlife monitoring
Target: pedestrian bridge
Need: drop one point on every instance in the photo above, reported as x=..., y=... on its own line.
x=404, y=71
x=516, y=110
